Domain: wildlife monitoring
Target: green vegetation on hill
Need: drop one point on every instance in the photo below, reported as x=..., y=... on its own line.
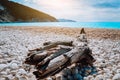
x=24, y=13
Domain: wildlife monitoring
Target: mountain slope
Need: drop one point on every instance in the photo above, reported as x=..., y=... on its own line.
x=19, y=12
x=65, y=20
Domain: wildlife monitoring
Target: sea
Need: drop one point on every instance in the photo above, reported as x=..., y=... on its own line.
x=105, y=25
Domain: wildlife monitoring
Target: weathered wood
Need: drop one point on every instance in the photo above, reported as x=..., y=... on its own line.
x=46, y=43
x=34, y=59
x=74, y=56
x=52, y=70
x=63, y=63
x=55, y=44
x=47, y=65
x=56, y=54
x=49, y=45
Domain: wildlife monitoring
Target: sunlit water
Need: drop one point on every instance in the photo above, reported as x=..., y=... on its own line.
x=108, y=25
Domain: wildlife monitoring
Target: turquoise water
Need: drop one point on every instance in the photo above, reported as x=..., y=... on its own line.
x=108, y=25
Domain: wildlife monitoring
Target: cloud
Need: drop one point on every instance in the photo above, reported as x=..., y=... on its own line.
x=108, y=5
x=79, y=10
x=102, y=3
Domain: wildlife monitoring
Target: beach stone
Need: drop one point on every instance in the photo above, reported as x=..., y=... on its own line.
x=63, y=77
x=93, y=71
x=3, y=66
x=6, y=78
x=16, y=78
x=66, y=72
x=74, y=70
x=102, y=65
x=3, y=73
x=100, y=72
x=90, y=77
x=114, y=69
x=59, y=76
x=22, y=71
x=14, y=66
x=2, y=78
x=116, y=77
x=13, y=72
x=85, y=78
x=6, y=53
x=108, y=79
x=23, y=78
x=49, y=78
x=80, y=72
x=8, y=70
x=70, y=77
x=108, y=76
x=1, y=56
x=118, y=71
x=78, y=77
x=30, y=75
x=106, y=70
x=10, y=76
x=99, y=77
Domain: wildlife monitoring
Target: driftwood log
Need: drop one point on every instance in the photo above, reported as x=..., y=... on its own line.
x=52, y=58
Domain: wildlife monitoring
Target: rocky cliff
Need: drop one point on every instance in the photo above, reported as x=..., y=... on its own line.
x=15, y=12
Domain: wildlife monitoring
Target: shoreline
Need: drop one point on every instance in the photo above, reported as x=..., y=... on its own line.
x=92, y=33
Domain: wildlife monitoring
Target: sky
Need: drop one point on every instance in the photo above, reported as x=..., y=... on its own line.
x=78, y=10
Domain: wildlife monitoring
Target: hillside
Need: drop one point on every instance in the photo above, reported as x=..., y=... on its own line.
x=65, y=20
x=15, y=12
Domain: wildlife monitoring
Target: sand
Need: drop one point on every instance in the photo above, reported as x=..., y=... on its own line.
x=16, y=41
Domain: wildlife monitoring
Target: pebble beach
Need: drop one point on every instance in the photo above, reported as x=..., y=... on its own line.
x=16, y=41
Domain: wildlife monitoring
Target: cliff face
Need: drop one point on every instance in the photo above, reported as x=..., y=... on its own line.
x=5, y=16
x=13, y=12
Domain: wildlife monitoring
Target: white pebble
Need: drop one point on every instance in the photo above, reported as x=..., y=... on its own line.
x=23, y=78
x=90, y=78
x=3, y=73
x=99, y=77
x=22, y=71
x=116, y=77
x=118, y=71
x=14, y=66
x=10, y=76
x=1, y=56
x=3, y=66
x=49, y=78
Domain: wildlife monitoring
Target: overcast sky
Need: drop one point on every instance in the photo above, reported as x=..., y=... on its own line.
x=79, y=10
